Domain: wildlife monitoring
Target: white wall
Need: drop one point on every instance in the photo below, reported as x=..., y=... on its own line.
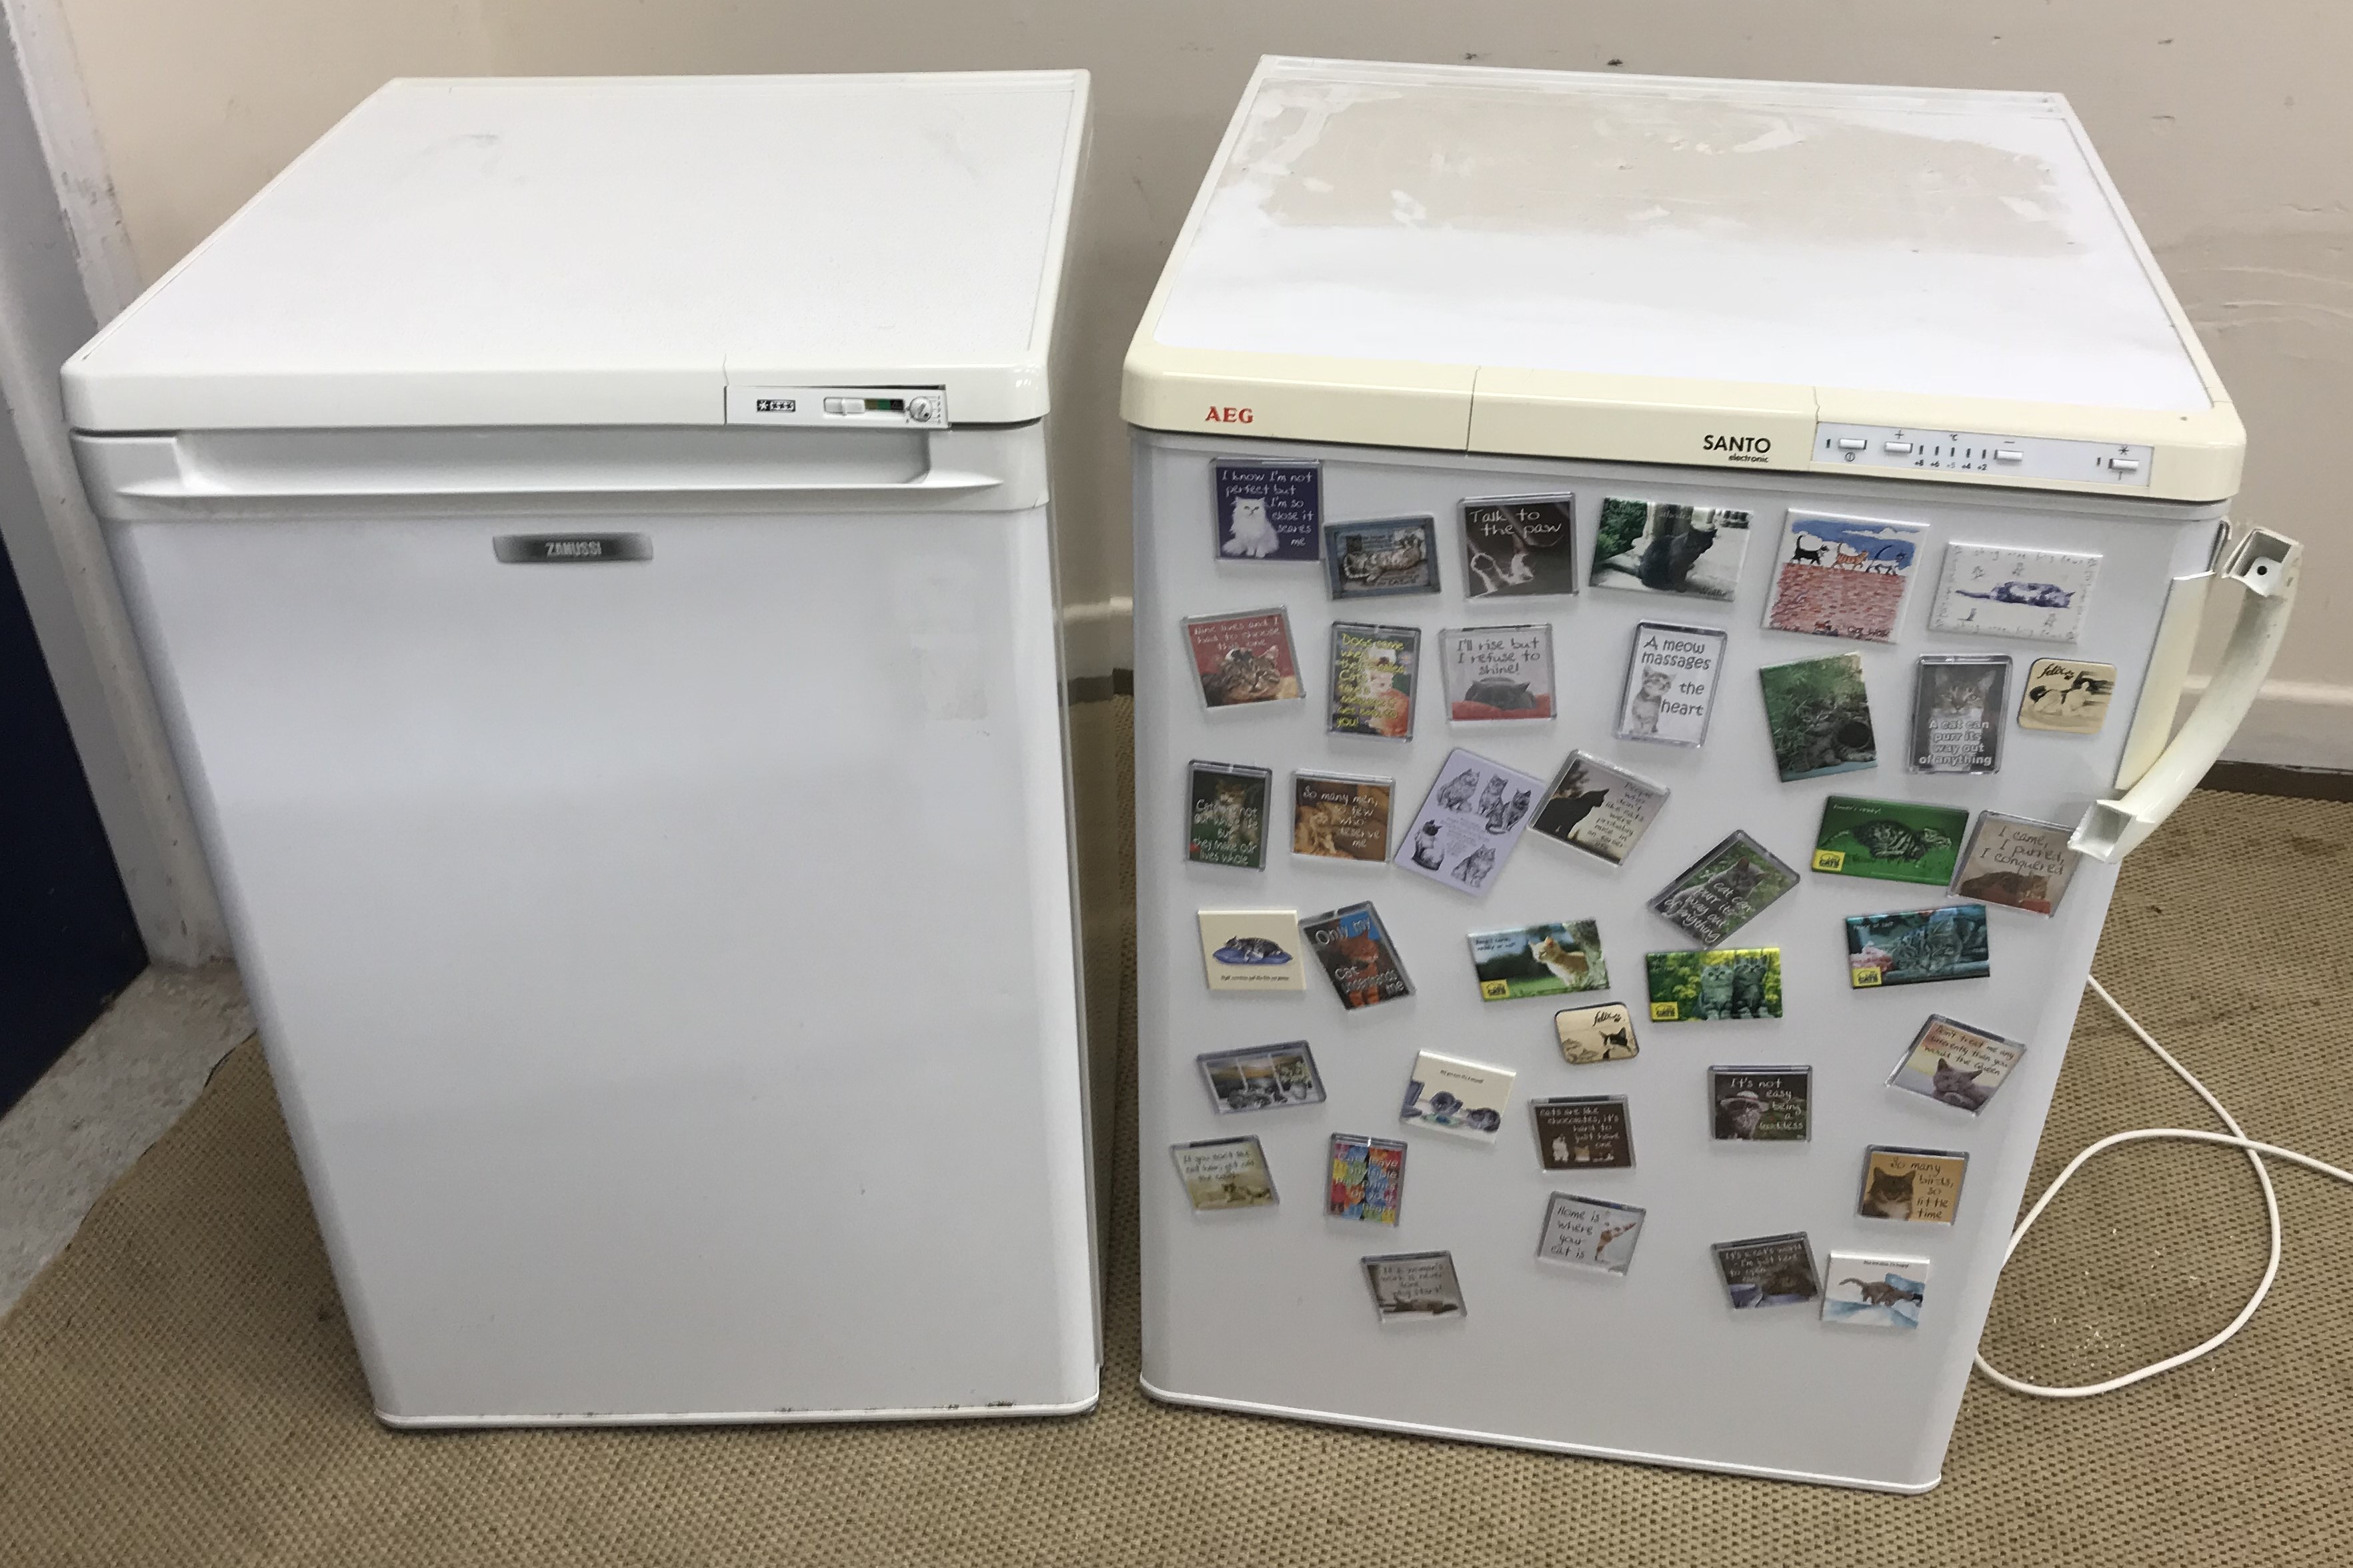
x=2227, y=126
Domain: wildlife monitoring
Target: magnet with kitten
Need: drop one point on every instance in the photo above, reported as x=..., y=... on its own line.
x=1919, y=1186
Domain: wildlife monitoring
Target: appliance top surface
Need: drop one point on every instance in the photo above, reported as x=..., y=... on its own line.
x=1937, y=242
x=624, y=245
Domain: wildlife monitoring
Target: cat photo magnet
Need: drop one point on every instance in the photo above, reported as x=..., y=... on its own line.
x=1957, y=1065
x=1269, y=511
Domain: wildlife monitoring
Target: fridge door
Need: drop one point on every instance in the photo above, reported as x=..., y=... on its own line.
x=665, y=949
x=1268, y=1309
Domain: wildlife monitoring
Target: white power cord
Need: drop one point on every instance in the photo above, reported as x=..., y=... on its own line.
x=2236, y=1139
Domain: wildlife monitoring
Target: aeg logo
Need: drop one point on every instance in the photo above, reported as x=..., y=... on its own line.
x=1228, y=415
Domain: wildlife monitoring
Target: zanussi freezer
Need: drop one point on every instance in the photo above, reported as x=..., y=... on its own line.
x=592, y=542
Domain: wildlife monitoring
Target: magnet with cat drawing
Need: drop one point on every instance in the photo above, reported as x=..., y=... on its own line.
x=1268, y=512
x=1919, y=1186
x=1670, y=684
x=1469, y=823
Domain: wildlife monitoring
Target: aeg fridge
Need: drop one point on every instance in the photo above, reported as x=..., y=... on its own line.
x=591, y=538
x=1720, y=377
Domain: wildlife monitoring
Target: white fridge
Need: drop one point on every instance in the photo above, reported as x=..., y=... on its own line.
x=1659, y=604
x=591, y=540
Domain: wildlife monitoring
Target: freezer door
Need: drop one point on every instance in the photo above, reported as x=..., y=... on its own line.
x=1654, y=1365
x=664, y=950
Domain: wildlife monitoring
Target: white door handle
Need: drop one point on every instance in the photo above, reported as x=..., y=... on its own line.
x=2264, y=564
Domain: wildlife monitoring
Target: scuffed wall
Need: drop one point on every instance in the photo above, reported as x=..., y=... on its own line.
x=2226, y=127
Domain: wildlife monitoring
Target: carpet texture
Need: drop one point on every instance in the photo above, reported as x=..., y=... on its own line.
x=179, y=1387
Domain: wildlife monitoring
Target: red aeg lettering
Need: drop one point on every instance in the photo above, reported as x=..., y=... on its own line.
x=1228, y=415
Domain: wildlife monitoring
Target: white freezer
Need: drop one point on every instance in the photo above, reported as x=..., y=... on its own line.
x=646, y=842
x=1446, y=283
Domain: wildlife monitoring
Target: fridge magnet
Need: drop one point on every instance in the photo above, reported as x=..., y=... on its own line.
x=1253, y=949
x=2066, y=694
x=1600, y=809
x=1894, y=840
x=1865, y=1290
x=1374, y=560
x=1409, y=1285
x=1841, y=576
x=1225, y=1174
x=1603, y=1034
x=1227, y=823
x=1335, y=816
x=1354, y=950
x=1666, y=547
x=1725, y=983
x=1726, y=888
x=1262, y=1078
x=1819, y=717
x=1920, y=1185
x=1464, y=1099
x=1912, y=947
x=1269, y=511
x=1244, y=658
x=1768, y=1271
x=1373, y=673
x=1469, y=823
x=1589, y=1233
x=1957, y=704
x=1590, y=1133
x=1519, y=546
x=1761, y=1105
x=1955, y=1065
x=1497, y=674
x=1367, y=1179
x=1992, y=591
x=1538, y=961
x=1670, y=684
x=2011, y=861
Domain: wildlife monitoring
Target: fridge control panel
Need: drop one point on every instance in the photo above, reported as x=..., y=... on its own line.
x=1890, y=446
x=883, y=407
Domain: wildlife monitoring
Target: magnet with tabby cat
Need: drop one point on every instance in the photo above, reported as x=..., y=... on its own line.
x=1341, y=816
x=1894, y=840
x=1954, y=1063
x=1538, y=961
x=1374, y=560
x=1960, y=705
x=1920, y=1187
x=1724, y=983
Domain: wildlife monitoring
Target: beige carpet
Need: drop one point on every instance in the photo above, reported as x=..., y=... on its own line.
x=179, y=1387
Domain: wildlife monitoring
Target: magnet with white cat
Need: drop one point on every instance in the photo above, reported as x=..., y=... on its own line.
x=1920, y=1187
x=1670, y=684
x=1268, y=512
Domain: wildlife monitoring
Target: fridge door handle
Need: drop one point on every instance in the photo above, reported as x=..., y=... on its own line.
x=2266, y=566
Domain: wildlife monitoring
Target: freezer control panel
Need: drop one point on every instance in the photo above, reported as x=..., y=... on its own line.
x=883, y=407
x=1887, y=446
